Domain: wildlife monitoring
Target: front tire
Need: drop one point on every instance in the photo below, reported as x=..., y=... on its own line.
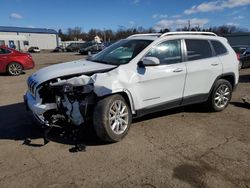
x=15, y=69
x=220, y=96
x=112, y=118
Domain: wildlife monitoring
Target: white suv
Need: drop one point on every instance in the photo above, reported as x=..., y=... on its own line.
x=142, y=74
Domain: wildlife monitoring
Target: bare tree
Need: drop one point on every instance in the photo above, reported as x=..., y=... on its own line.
x=122, y=32
x=75, y=33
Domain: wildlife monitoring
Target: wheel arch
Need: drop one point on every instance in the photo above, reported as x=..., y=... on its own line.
x=125, y=94
x=7, y=65
x=230, y=77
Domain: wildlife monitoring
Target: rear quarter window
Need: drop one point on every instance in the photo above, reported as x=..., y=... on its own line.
x=219, y=48
x=198, y=49
x=4, y=51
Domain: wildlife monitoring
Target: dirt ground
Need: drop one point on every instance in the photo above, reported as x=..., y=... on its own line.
x=184, y=147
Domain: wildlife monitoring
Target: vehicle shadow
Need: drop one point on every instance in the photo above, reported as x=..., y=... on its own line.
x=244, y=78
x=195, y=108
x=7, y=75
x=15, y=124
x=241, y=105
x=18, y=124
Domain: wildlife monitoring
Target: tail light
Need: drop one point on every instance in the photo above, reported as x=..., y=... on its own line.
x=240, y=63
x=238, y=56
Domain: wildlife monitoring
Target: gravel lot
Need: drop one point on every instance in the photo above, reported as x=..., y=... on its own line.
x=184, y=147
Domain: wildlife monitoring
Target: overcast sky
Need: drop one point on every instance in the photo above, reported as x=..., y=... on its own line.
x=110, y=14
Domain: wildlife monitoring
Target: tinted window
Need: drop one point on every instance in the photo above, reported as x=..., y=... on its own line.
x=26, y=43
x=198, y=49
x=218, y=47
x=86, y=44
x=2, y=42
x=4, y=51
x=168, y=52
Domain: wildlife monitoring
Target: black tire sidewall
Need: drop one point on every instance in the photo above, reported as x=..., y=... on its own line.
x=217, y=85
x=101, y=120
x=12, y=64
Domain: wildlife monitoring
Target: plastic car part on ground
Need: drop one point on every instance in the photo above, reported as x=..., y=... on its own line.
x=246, y=100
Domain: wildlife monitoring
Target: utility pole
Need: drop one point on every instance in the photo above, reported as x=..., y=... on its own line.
x=189, y=25
x=104, y=34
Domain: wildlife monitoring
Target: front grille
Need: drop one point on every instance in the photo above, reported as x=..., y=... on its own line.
x=32, y=84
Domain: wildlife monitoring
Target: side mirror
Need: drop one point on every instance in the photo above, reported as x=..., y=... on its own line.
x=149, y=61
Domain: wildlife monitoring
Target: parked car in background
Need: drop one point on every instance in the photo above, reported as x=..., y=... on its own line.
x=34, y=49
x=141, y=74
x=14, y=62
x=86, y=45
x=243, y=53
x=74, y=47
x=93, y=49
x=58, y=49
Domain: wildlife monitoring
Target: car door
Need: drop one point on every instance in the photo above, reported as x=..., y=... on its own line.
x=161, y=85
x=203, y=67
x=3, y=58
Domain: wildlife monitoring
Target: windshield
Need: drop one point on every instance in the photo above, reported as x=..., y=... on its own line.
x=121, y=52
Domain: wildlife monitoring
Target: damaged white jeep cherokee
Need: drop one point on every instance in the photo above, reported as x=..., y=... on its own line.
x=135, y=76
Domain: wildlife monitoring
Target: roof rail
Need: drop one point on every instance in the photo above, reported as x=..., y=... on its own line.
x=188, y=33
x=145, y=34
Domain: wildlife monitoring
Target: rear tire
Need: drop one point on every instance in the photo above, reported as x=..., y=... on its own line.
x=112, y=118
x=220, y=96
x=15, y=69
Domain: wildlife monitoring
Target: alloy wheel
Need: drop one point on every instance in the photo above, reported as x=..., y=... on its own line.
x=118, y=117
x=15, y=69
x=222, y=96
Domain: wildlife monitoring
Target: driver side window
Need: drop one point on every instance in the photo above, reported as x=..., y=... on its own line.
x=168, y=52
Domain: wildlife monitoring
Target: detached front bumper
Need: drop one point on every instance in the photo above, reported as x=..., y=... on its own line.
x=37, y=107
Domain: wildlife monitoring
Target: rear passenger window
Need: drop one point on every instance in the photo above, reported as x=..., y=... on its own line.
x=4, y=51
x=218, y=47
x=168, y=52
x=198, y=49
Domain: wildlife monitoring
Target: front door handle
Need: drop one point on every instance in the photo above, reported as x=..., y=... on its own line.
x=214, y=64
x=178, y=70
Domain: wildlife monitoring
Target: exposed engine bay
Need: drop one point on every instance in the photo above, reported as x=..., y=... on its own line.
x=67, y=101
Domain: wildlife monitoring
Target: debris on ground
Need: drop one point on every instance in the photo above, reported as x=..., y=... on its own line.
x=246, y=100
x=78, y=148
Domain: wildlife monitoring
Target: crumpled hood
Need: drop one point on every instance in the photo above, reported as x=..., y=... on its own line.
x=66, y=69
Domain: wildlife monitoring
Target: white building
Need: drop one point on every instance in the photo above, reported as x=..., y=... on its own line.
x=23, y=38
x=97, y=39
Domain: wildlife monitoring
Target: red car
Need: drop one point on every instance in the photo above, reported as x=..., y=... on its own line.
x=14, y=62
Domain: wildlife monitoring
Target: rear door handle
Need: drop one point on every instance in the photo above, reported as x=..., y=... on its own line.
x=178, y=70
